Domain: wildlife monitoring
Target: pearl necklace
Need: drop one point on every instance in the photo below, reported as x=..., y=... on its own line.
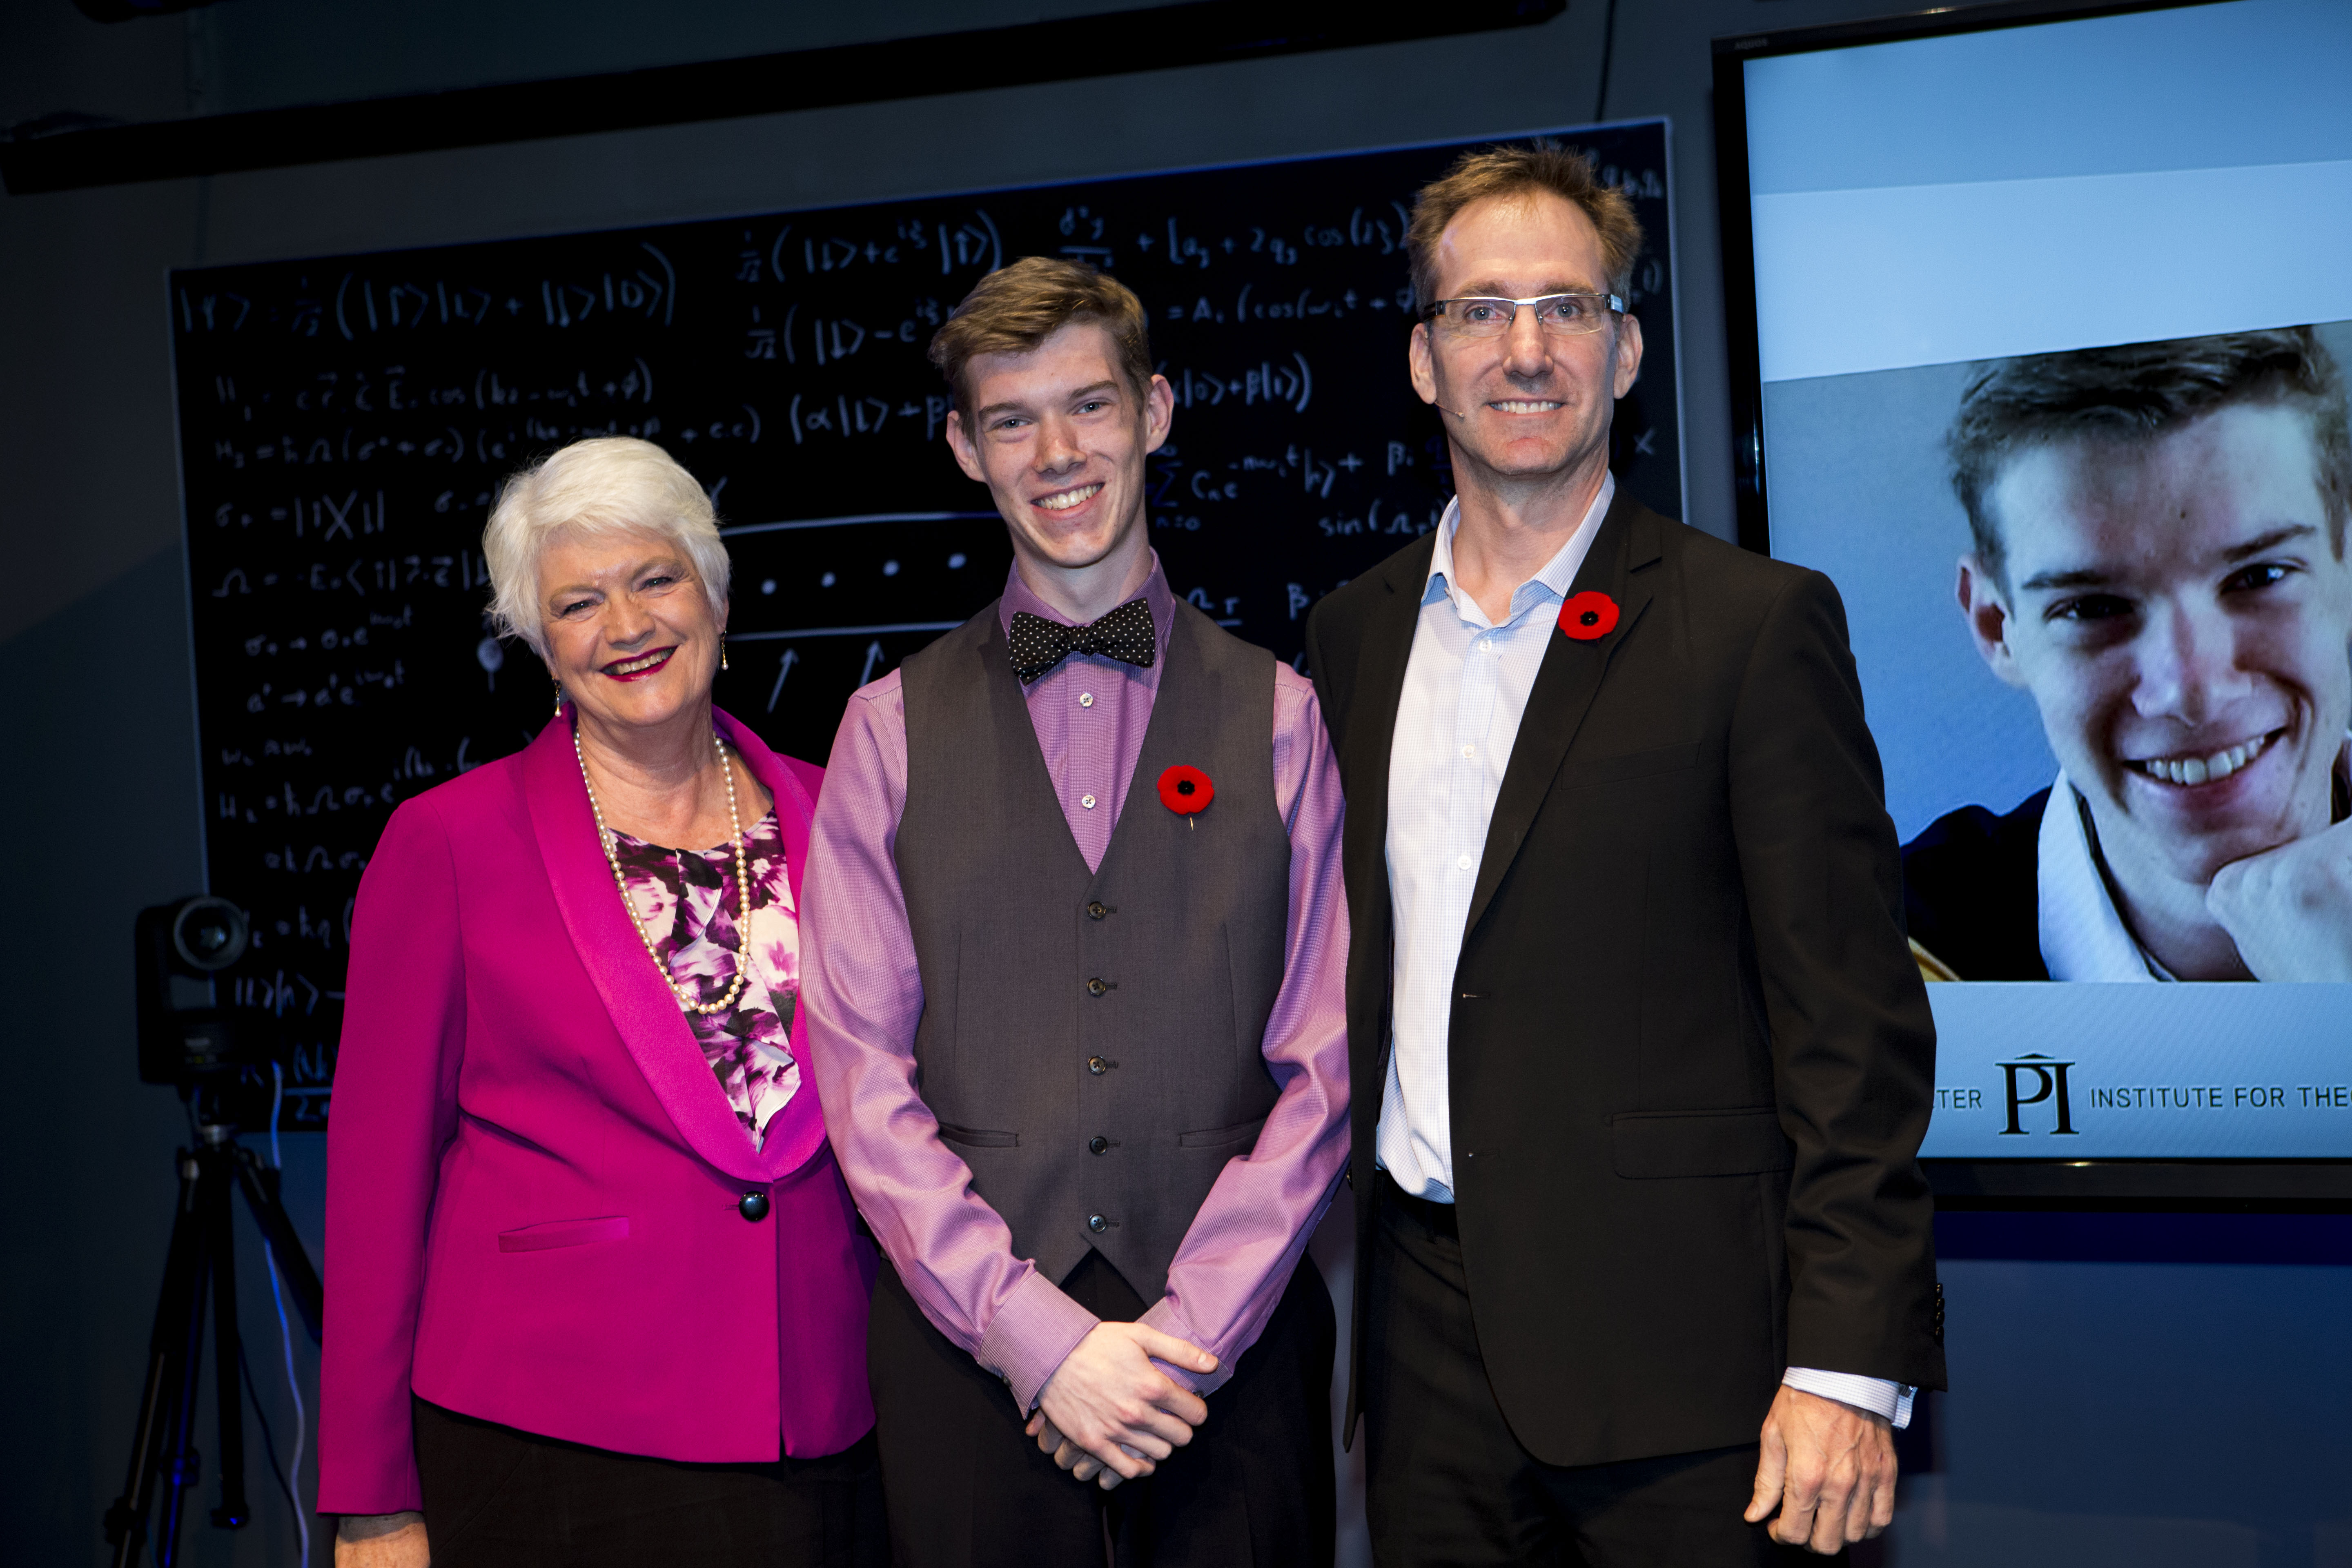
x=742, y=887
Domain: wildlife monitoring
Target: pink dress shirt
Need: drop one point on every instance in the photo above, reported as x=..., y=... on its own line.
x=861, y=999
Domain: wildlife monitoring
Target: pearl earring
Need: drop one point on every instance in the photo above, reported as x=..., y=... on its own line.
x=722, y=650
x=558, y=698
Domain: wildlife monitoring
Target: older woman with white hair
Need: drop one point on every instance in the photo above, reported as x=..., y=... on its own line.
x=595, y=1293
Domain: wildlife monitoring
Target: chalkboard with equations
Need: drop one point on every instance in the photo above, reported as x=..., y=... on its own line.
x=345, y=422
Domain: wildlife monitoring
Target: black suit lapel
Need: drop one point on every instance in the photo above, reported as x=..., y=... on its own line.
x=1376, y=686
x=1386, y=643
x=1565, y=686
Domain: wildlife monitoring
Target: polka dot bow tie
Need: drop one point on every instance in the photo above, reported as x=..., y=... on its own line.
x=1126, y=635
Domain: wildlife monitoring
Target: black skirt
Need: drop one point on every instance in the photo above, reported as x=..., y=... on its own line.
x=494, y=1495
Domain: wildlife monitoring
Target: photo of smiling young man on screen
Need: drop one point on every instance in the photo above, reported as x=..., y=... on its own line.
x=2159, y=558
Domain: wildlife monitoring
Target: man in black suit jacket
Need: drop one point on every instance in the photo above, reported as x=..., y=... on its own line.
x=1640, y=1057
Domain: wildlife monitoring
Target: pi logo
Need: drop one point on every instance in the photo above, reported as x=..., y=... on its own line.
x=2049, y=1084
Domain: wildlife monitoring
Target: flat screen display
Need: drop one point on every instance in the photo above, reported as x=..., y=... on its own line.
x=2050, y=325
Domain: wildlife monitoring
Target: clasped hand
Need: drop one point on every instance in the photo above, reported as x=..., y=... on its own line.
x=1108, y=1412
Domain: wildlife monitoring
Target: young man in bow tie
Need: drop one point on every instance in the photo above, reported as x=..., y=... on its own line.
x=1081, y=1040
x=1641, y=1059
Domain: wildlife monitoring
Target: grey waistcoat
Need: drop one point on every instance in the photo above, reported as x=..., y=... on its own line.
x=1090, y=1041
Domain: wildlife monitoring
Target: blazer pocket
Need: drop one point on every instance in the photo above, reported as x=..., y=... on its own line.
x=557, y=1233
x=1583, y=771
x=1651, y=1144
x=1219, y=1137
x=978, y=1137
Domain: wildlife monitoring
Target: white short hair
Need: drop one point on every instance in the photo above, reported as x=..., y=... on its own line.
x=612, y=484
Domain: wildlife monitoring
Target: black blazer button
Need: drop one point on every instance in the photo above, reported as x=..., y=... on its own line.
x=1097, y=1144
x=1097, y=1065
x=1096, y=987
x=1097, y=910
x=1097, y=1223
x=755, y=1206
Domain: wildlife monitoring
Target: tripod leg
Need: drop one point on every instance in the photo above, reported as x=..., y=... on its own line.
x=126, y=1522
x=182, y=1464
x=228, y=1396
x=260, y=1184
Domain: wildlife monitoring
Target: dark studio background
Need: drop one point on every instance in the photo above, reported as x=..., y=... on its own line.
x=2131, y=1389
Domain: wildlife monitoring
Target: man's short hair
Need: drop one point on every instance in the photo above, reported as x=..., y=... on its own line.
x=1519, y=172
x=2137, y=394
x=1016, y=307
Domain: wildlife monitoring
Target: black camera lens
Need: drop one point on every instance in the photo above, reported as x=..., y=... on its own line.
x=209, y=934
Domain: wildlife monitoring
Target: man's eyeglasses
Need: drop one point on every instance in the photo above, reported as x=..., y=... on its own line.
x=1565, y=315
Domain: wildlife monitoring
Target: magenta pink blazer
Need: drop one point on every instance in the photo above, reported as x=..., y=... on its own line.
x=533, y=1175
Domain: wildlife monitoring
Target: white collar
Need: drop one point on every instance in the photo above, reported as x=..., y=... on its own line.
x=2083, y=934
x=1556, y=576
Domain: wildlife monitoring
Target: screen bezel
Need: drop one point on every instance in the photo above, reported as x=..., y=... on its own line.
x=2253, y=1185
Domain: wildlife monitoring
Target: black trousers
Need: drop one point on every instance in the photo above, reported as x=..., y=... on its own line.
x=1448, y=1483
x=498, y=1498
x=968, y=1489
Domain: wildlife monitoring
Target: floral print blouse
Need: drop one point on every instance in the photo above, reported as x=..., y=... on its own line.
x=687, y=903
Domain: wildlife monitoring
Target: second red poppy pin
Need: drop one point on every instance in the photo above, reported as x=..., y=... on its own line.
x=1589, y=616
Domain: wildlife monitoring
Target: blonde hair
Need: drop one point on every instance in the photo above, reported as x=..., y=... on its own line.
x=612, y=484
x=1509, y=172
x=1016, y=307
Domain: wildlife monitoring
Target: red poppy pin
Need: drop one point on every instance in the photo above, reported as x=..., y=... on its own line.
x=1186, y=791
x=1589, y=616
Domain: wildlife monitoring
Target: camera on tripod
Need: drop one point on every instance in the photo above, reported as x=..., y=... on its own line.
x=192, y=1030
x=213, y=1031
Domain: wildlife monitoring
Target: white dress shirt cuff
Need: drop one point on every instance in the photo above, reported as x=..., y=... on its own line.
x=1891, y=1402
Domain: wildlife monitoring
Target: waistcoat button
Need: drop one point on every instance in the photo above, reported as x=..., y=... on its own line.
x=1098, y=1145
x=1096, y=910
x=1097, y=1223
x=1097, y=1065
x=755, y=1206
x=1095, y=988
